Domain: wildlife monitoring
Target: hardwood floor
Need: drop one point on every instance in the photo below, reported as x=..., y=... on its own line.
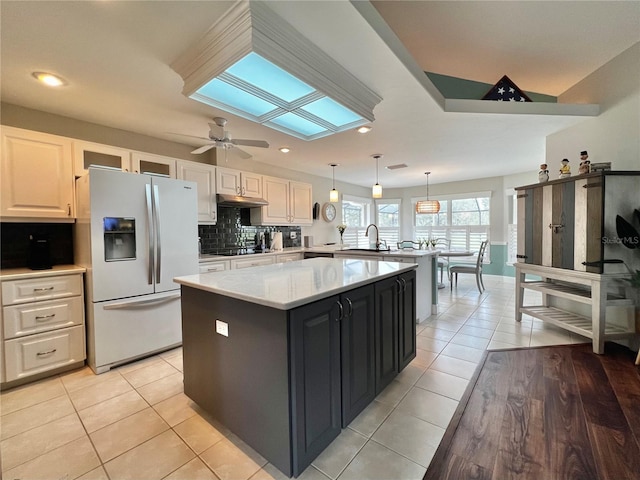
x=556, y=413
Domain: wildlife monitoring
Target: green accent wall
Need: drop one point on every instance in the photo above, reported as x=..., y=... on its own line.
x=453, y=87
x=498, y=265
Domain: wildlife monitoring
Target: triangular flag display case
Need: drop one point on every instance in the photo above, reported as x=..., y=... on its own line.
x=506, y=91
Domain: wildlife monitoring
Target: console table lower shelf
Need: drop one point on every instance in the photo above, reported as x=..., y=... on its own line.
x=588, y=304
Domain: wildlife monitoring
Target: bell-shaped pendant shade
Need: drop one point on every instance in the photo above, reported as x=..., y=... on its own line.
x=427, y=206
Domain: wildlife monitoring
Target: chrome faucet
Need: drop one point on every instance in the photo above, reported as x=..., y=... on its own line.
x=366, y=234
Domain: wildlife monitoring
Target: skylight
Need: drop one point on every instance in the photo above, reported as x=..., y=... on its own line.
x=255, y=65
x=258, y=90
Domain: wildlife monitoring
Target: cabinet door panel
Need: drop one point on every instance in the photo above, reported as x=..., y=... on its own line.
x=205, y=178
x=315, y=379
x=37, y=176
x=407, y=320
x=386, y=318
x=358, y=359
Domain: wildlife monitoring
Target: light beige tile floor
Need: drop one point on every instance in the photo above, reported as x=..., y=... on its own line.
x=135, y=422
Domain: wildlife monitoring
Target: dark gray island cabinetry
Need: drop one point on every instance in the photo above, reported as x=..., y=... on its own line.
x=286, y=355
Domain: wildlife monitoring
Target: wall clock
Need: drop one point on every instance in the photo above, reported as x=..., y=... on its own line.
x=329, y=212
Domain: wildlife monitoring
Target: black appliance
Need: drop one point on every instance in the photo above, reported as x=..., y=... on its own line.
x=39, y=252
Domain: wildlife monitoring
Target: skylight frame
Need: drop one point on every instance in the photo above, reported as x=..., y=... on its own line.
x=253, y=27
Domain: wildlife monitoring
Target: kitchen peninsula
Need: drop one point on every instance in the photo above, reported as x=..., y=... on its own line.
x=286, y=355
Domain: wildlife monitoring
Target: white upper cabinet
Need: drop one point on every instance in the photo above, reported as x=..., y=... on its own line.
x=235, y=182
x=205, y=177
x=289, y=203
x=87, y=154
x=150, y=164
x=36, y=175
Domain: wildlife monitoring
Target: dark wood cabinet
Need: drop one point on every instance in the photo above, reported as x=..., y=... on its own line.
x=287, y=381
x=315, y=378
x=357, y=349
x=406, y=319
x=386, y=326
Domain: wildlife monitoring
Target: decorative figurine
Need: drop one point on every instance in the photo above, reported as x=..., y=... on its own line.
x=565, y=169
x=585, y=165
x=543, y=174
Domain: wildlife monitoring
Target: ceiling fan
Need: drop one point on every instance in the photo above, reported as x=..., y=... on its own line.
x=220, y=138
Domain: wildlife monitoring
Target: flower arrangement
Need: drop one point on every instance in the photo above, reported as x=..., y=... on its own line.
x=341, y=228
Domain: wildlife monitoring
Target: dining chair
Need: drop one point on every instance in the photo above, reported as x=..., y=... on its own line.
x=443, y=261
x=408, y=244
x=475, y=269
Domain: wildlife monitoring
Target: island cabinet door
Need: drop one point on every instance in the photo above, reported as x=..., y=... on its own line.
x=358, y=346
x=386, y=331
x=407, y=319
x=315, y=379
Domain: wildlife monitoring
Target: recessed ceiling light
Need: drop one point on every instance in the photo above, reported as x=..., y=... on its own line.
x=284, y=149
x=364, y=129
x=49, y=79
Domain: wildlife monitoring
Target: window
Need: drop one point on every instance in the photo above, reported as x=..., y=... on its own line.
x=356, y=215
x=359, y=212
x=388, y=220
x=463, y=219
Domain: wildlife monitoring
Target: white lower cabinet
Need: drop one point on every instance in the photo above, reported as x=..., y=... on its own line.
x=214, y=266
x=252, y=261
x=288, y=257
x=26, y=356
x=42, y=323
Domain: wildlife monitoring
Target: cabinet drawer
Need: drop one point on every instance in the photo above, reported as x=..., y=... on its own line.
x=29, y=318
x=214, y=266
x=46, y=288
x=38, y=353
x=252, y=262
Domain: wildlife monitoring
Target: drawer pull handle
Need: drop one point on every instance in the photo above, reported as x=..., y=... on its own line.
x=40, y=318
x=42, y=354
x=43, y=289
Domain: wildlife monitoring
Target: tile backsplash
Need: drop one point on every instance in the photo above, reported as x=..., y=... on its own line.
x=14, y=242
x=233, y=230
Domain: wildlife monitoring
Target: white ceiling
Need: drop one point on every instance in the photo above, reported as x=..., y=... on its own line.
x=116, y=56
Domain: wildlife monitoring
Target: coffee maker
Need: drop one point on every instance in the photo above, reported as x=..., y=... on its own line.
x=39, y=252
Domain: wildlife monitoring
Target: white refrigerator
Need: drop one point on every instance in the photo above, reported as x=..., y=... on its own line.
x=134, y=234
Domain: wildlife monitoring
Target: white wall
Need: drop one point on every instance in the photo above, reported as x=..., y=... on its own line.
x=614, y=135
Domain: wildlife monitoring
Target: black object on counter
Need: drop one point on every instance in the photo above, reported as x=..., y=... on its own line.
x=39, y=252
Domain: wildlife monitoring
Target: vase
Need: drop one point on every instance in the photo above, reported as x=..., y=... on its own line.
x=341, y=241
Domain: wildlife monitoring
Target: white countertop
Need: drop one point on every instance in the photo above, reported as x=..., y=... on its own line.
x=22, y=273
x=289, y=285
x=336, y=249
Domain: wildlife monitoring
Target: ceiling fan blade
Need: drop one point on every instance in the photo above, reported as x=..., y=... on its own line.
x=242, y=154
x=250, y=143
x=203, y=149
x=189, y=136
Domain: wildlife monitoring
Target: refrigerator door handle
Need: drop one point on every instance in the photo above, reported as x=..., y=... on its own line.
x=150, y=230
x=156, y=202
x=141, y=303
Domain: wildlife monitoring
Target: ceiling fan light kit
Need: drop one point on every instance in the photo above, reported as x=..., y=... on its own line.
x=334, y=195
x=376, y=190
x=427, y=206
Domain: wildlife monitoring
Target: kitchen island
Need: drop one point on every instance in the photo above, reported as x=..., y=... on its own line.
x=286, y=355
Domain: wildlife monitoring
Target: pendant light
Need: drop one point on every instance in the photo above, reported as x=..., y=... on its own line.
x=376, y=191
x=428, y=206
x=334, y=196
